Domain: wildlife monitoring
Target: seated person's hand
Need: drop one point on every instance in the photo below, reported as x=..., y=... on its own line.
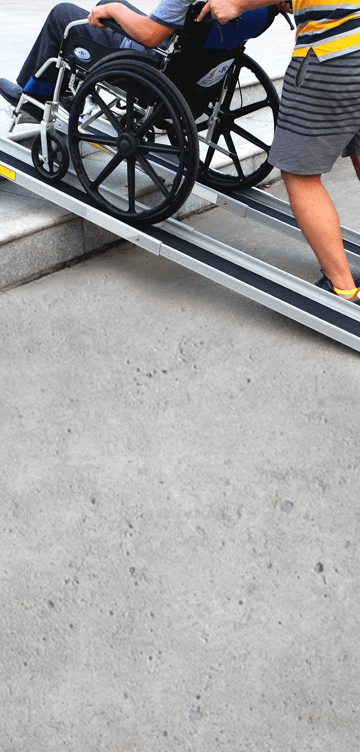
x=100, y=11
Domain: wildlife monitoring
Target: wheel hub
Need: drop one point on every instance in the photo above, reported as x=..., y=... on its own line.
x=127, y=144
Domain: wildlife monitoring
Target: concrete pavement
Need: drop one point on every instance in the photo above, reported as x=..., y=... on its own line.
x=180, y=524
x=179, y=539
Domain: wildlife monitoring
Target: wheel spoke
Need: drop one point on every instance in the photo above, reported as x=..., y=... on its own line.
x=231, y=146
x=159, y=148
x=130, y=108
x=250, y=137
x=108, y=112
x=131, y=183
x=150, y=172
x=151, y=120
x=248, y=109
x=95, y=138
x=233, y=83
x=53, y=155
x=108, y=169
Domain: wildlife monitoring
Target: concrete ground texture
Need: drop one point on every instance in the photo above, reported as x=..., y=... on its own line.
x=179, y=521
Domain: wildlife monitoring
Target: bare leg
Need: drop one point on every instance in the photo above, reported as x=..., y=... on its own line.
x=318, y=220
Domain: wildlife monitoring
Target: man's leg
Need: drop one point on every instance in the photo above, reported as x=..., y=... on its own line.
x=319, y=222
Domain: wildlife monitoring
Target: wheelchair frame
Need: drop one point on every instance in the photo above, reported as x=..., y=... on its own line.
x=176, y=164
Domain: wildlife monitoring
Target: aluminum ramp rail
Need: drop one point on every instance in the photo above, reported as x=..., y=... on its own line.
x=257, y=280
x=277, y=214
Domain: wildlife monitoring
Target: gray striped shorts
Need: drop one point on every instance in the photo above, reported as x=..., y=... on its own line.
x=319, y=116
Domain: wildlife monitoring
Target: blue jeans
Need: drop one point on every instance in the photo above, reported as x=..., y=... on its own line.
x=48, y=42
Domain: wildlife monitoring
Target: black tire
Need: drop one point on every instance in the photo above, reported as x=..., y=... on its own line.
x=58, y=157
x=131, y=102
x=235, y=130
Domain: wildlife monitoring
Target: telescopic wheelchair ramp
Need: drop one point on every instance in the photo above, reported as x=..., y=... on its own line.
x=255, y=279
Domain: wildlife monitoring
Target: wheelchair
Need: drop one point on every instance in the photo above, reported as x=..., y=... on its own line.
x=140, y=129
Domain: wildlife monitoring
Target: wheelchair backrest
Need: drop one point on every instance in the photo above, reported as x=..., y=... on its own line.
x=205, y=51
x=82, y=52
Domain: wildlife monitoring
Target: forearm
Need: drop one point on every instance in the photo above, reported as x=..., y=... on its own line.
x=141, y=28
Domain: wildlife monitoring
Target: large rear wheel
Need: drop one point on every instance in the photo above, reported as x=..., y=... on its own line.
x=237, y=157
x=133, y=142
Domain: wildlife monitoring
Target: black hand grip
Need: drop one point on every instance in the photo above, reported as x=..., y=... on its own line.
x=114, y=26
x=288, y=19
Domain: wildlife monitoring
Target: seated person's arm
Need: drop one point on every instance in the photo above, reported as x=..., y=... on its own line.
x=141, y=28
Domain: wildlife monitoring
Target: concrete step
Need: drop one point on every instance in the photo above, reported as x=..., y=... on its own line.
x=37, y=237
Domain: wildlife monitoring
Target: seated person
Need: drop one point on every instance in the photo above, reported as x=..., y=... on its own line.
x=148, y=31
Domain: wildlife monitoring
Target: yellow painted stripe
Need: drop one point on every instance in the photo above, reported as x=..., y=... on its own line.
x=100, y=147
x=10, y=174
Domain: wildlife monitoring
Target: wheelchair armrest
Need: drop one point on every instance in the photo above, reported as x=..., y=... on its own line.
x=114, y=26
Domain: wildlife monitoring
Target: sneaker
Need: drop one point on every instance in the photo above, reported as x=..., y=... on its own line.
x=11, y=92
x=325, y=284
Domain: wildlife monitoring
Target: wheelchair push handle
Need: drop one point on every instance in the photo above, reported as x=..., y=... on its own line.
x=287, y=18
x=237, y=21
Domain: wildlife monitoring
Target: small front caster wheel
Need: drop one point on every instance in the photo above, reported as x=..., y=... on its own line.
x=58, y=157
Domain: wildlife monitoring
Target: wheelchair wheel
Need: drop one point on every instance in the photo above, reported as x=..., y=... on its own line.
x=244, y=128
x=58, y=157
x=133, y=142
